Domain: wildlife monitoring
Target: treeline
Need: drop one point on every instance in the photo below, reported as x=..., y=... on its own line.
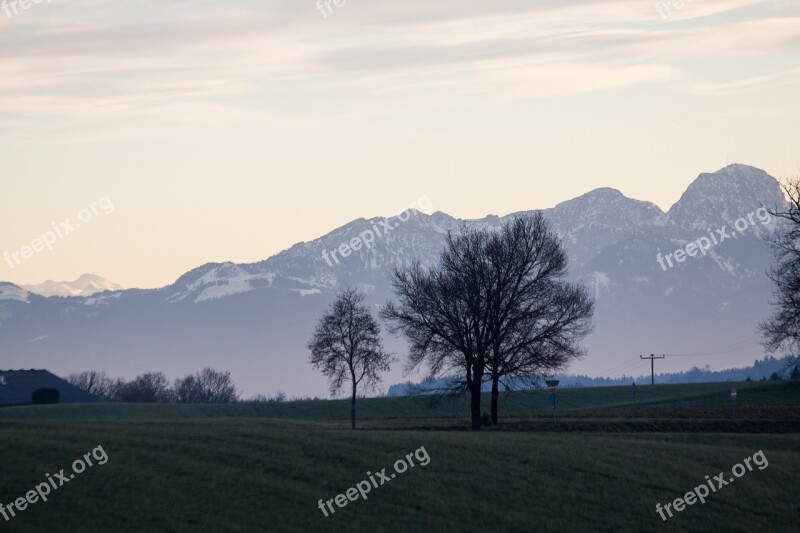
x=770, y=368
x=206, y=386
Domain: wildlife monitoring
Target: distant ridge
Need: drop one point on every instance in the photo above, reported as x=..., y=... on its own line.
x=86, y=285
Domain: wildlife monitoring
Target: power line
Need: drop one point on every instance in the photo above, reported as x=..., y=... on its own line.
x=634, y=367
x=723, y=350
x=624, y=366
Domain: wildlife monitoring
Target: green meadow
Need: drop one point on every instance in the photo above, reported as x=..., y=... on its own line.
x=263, y=467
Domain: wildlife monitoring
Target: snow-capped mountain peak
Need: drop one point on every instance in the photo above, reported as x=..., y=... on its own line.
x=720, y=198
x=86, y=285
x=9, y=292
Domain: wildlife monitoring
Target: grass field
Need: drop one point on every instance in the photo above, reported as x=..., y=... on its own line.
x=664, y=400
x=264, y=467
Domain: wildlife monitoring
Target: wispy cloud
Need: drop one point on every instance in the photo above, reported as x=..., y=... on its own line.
x=789, y=77
x=131, y=59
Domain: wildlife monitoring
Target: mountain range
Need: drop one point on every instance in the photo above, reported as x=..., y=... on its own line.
x=255, y=319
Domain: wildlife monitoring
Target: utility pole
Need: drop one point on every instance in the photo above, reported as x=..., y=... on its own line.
x=652, y=366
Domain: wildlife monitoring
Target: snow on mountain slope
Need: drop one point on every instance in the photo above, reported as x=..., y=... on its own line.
x=9, y=291
x=376, y=245
x=214, y=281
x=598, y=219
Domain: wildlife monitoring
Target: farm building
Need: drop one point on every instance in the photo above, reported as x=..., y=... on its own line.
x=17, y=387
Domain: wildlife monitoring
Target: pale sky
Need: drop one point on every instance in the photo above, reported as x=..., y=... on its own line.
x=232, y=130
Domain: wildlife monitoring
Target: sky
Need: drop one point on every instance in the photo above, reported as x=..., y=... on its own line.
x=155, y=136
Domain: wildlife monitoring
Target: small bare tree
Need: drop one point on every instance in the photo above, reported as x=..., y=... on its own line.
x=346, y=346
x=207, y=386
x=151, y=387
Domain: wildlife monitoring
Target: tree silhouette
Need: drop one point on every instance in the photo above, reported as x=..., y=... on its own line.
x=346, y=346
x=782, y=329
x=494, y=306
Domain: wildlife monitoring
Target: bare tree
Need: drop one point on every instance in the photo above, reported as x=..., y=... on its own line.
x=96, y=383
x=346, y=346
x=151, y=387
x=782, y=329
x=206, y=386
x=494, y=306
x=442, y=312
x=535, y=317
x=116, y=390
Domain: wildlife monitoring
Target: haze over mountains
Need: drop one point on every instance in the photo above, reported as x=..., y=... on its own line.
x=255, y=319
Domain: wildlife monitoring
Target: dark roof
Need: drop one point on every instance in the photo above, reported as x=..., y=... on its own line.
x=17, y=386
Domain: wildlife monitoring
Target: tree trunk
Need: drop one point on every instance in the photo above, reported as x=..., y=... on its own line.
x=475, y=406
x=353, y=407
x=495, y=395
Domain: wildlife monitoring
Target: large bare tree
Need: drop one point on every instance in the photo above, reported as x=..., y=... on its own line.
x=536, y=317
x=442, y=312
x=346, y=346
x=782, y=329
x=494, y=306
